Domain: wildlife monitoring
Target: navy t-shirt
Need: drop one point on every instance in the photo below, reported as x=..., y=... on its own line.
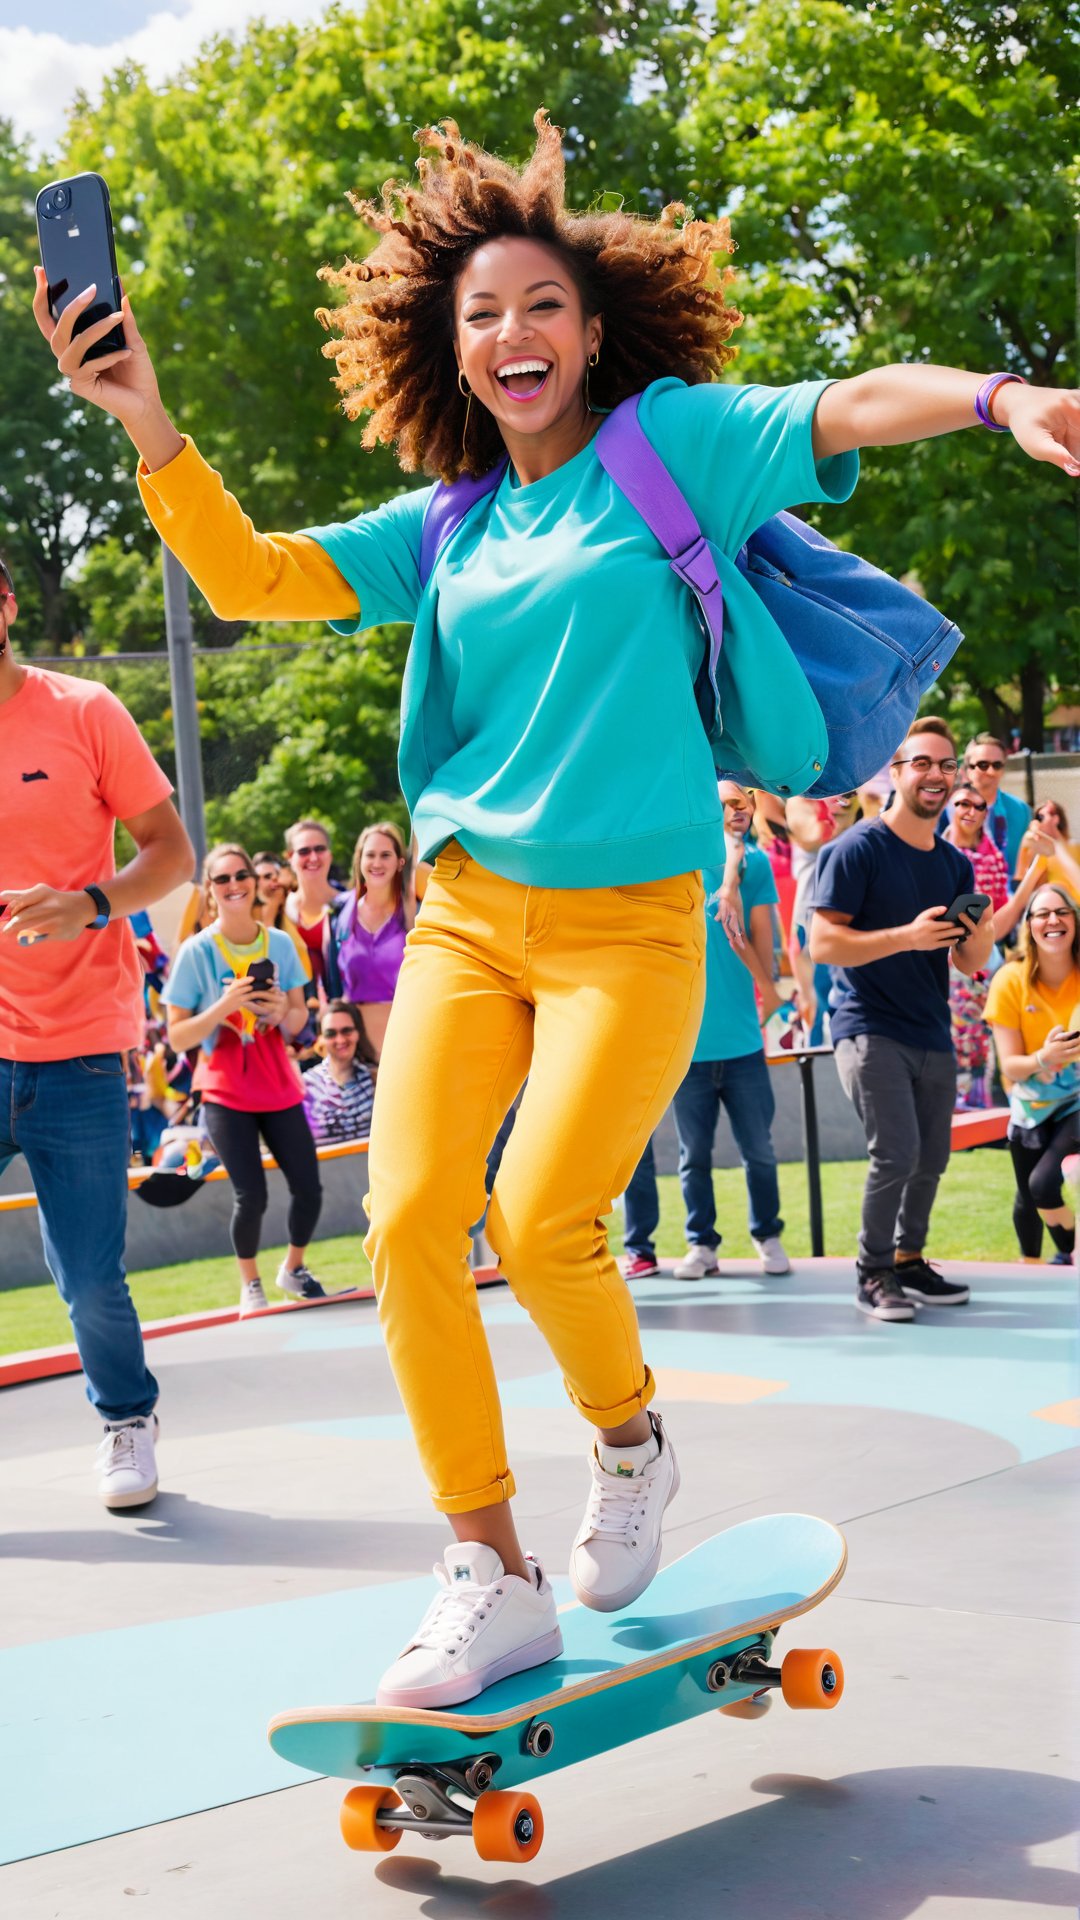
x=873, y=875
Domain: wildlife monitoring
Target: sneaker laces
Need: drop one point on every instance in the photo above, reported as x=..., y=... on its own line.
x=118, y=1448
x=617, y=1502
x=454, y=1615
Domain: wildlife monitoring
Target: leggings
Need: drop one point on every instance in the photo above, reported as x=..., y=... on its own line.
x=1037, y=1171
x=235, y=1138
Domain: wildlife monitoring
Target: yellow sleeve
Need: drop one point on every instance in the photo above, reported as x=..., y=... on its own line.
x=1004, y=998
x=243, y=574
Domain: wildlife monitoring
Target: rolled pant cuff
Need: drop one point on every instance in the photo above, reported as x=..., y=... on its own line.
x=615, y=1416
x=495, y=1494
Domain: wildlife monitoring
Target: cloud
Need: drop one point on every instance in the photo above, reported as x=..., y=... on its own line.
x=42, y=71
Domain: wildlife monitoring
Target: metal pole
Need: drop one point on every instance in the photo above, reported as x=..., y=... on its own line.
x=813, y=1153
x=185, y=709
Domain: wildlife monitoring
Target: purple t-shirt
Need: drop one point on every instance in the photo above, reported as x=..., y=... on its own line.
x=369, y=962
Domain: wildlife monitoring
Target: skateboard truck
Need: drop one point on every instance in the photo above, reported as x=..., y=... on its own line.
x=504, y=1826
x=809, y=1677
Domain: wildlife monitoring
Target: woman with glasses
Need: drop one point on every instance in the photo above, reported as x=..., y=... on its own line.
x=370, y=929
x=339, y=1093
x=315, y=901
x=1047, y=843
x=1033, y=1010
x=967, y=993
x=236, y=990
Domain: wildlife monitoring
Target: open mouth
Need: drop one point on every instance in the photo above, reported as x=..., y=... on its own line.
x=523, y=379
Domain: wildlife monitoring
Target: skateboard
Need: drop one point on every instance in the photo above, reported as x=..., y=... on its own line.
x=700, y=1638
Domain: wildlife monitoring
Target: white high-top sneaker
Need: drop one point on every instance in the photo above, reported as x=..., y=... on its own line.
x=126, y=1465
x=483, y=1625
x=617, y=1549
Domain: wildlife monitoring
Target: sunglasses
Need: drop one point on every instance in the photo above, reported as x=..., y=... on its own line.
x=987, y=766
x=340, y=1033
x=306, y=853
x=231, y=879
x=971, y=806
x=922, y=763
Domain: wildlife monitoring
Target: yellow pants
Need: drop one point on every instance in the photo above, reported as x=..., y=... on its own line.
x=596, y=995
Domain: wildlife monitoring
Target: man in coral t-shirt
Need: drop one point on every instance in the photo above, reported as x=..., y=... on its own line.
x=72, y=763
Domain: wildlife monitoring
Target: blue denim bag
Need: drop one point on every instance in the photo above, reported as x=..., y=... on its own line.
x=854, y=650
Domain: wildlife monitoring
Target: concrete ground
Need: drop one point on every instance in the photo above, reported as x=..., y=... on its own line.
x=283, y=1564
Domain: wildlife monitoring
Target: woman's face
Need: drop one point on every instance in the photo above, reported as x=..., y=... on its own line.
x=271, y=884
x=310, y=854
x=517, y=307
x=969, y=812
x=380, y=860
x=339, y=1037
x=232, y=883
x=1049, y=819
x=1053, y=921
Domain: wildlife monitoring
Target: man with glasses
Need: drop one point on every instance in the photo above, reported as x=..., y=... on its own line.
x=73, y=763
x=879, y=920
x=1006, y=816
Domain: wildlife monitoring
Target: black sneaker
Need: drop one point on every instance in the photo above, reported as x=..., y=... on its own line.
x=925, y=1284
x=881, y=1294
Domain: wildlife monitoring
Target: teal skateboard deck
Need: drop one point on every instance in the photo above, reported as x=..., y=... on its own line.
x=700, y=1638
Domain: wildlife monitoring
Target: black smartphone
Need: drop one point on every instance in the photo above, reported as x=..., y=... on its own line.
x=75, y=234
x=973, y=904
x=262, y=973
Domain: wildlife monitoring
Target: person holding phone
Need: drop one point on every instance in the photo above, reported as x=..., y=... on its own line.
x=556, y=770
x=882, y=919
x=236, y=990
x=73, y=763
x=967, y=992
x=1033, y=1010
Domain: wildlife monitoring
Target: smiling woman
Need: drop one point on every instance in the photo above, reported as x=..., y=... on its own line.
x=557, y=771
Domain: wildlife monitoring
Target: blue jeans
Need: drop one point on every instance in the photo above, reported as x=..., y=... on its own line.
x=70, y=1119
x=744, y=1089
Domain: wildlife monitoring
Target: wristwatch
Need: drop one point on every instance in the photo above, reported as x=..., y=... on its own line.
x=104, y=910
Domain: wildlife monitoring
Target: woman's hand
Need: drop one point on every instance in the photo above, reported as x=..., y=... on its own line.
x=729, y=912
x=235, y=996
x=1059, y=1050
x=122, y=383
x=270, y=1005
x=1045, y=421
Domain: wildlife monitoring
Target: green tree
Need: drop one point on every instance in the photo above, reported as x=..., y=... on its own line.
x=64, y=472
x=902, y=188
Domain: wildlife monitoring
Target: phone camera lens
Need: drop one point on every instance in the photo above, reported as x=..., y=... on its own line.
x=61, y=198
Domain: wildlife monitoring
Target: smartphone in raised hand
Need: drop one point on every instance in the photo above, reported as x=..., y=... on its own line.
x=75, y=234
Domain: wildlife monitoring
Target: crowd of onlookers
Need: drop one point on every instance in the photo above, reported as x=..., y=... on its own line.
x=265, y=1028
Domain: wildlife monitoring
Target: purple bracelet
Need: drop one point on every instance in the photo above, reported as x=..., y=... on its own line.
x=985, y=395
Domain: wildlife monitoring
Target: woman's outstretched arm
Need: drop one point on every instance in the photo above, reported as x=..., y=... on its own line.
x=891, y=406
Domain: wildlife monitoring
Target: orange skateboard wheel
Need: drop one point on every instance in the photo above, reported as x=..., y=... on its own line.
x=812, y=1677
x=360, y=1829
x=507, y=1826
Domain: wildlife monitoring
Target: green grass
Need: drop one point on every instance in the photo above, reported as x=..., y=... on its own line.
x=972, y=1220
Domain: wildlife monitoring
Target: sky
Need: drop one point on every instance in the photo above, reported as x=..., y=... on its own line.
x=42, y=67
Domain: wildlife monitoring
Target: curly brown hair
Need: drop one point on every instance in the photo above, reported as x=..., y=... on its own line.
x=656, y=283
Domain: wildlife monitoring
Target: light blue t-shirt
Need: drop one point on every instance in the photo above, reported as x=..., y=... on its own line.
x=198, y=973
x=729, y=1025
x=548, y=712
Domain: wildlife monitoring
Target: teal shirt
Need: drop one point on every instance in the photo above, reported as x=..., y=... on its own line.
x=548, y=715
x=729, y=1024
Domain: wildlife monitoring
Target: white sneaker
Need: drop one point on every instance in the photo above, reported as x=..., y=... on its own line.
x=483, y=1625
x=126, y=1467
x=699, y=1261
x=771, y=1254
x=299, y=1283
x=252, y=1297
x=617, y=1549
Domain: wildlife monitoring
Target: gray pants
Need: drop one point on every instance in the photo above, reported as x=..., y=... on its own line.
x=904, y=1097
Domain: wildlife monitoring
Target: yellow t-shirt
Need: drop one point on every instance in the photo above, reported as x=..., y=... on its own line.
x=1034, y=1013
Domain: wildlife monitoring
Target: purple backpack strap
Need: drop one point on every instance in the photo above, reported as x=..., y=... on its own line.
x=632, y=462
x=446, y=509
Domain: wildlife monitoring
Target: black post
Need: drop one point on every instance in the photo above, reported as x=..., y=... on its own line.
x=813, y=1153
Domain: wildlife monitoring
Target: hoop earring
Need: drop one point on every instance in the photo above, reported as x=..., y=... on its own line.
x=468, y=405
x=592, y=361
